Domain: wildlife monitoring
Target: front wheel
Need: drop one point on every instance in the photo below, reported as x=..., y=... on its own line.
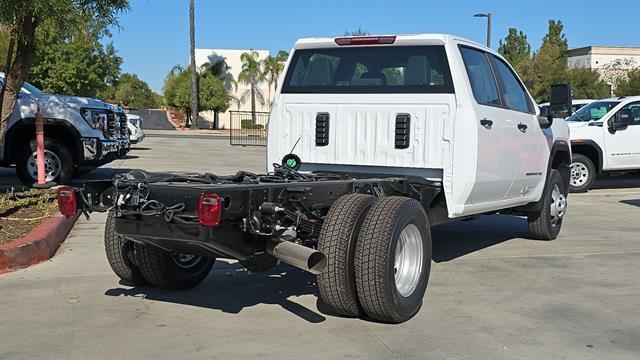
x=583, y=173
x=546, y=223
x=393, y=259
x=58, y=162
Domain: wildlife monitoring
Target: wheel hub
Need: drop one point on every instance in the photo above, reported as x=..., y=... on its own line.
x=558, y=205
x=408, y=260
x=185, y=260
x=579, y=174
x=52, y=165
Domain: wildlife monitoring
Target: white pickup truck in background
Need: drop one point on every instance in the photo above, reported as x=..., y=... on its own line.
x=605, y=137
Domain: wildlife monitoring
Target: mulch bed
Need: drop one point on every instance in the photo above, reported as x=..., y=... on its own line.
x=21, y=212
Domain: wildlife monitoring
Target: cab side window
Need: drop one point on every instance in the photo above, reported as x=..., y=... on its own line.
x=634, y=108
x=483, y=83
x=513, y=94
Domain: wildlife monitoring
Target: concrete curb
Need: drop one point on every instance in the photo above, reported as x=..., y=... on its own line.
x=39, y=245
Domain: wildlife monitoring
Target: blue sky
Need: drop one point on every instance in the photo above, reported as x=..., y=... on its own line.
x=153, y=35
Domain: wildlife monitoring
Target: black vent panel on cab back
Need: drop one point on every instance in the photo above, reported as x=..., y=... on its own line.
x=322, y=129
x=403, y=125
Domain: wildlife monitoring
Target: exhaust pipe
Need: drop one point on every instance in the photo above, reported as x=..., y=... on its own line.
x=297, y=255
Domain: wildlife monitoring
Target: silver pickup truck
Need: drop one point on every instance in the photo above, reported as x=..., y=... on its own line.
x=80, y=134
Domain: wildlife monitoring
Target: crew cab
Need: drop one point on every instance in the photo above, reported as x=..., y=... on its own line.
x=373, y=141
x=605, y=137
x=80, y=134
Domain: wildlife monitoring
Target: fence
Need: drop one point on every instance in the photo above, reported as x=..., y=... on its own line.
x=248, y=129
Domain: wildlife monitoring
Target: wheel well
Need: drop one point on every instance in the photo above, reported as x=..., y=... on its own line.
x=590, y=152
x=561, y=162
x=27, y=133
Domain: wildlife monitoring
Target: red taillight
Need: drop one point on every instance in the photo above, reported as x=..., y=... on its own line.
x=365, y=40
x=67, y=201
x=209, y=209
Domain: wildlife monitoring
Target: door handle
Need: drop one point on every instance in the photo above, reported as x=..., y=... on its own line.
x=522, y=127
x=486, y=123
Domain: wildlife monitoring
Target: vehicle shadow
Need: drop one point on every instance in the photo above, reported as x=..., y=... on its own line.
x=459, y=238
x=615, y=181
x=632, y=202
x=231, y=288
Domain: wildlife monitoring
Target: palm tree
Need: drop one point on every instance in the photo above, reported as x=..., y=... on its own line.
x=251, y=74
x=220, y=70
x=273, y=67
x=194, y=72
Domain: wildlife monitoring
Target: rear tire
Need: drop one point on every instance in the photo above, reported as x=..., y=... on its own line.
x=546, y=223
x=336, y=284
x=58, y=157
x=583, y=173
x=120, y=254
x=393, y=259
x=172, y=271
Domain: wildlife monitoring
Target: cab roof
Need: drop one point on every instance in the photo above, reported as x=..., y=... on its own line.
x=398, y=40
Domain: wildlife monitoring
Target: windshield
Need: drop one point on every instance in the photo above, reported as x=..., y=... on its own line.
x=594, y=111
x=373, y=69
x=26, y=87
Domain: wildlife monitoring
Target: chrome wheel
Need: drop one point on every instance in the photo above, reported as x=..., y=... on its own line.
x=579, y=174
x=185, y=261
x=408, y=260
x=558, y=205
x=52, y=165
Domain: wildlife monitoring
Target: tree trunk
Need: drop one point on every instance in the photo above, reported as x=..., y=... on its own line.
x=253, y=103
x=194, y=73
x=216, y=120
x=17, y=73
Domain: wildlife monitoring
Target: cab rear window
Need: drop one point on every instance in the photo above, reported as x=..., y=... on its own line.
x=365, y=70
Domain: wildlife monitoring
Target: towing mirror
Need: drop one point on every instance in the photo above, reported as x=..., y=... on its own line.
x=621, y=119
x=560, y=101
x=544, y=119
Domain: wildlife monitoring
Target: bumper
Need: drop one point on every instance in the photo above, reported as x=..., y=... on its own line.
x=98, y=151
x=136, y=138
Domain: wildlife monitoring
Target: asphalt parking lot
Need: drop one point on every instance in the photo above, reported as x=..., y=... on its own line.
x=493, y=293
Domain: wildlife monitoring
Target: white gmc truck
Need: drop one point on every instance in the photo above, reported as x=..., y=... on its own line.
x=373, y=141
x=80, y=134
x=605, y=137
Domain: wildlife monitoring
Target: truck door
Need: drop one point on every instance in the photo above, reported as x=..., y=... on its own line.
x=496, y=153
x=532, y=148
x=622, y=147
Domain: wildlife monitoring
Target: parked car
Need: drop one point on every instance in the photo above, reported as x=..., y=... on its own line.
x=80, y=133
x=605, y=137
x=134, y=124
x=375, y=140
x=575, y=105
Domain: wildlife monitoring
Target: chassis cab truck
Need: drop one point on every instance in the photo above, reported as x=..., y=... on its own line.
x=373, y=141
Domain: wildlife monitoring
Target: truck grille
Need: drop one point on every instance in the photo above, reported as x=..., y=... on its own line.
x=111, y=124
x=124, y=129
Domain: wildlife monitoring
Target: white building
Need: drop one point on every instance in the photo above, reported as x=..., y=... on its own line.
x=232, y=57
x=611, y=62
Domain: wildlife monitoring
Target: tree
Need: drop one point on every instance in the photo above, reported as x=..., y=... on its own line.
x=22, y=18
x=130, y=91
x=75, y=61
x=273, y=66
x=515, y=47
x=550, y=62
x=586, y=84
x=630, y=85
x=220, y=70
x=251, y=74
x=359, y=32
x=194, y=71
x=177, y=91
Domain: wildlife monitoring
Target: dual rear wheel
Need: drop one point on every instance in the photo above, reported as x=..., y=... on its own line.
x=379, y=257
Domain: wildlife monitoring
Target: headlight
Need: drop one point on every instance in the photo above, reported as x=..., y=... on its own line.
x=97, y=118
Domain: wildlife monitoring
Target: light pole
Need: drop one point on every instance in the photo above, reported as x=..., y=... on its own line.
x=488, y=16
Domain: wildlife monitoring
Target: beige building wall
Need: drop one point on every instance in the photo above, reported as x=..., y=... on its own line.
x=232, y=57
x=612, y=62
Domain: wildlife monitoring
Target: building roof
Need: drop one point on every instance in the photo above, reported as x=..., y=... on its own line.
x=605, y=50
